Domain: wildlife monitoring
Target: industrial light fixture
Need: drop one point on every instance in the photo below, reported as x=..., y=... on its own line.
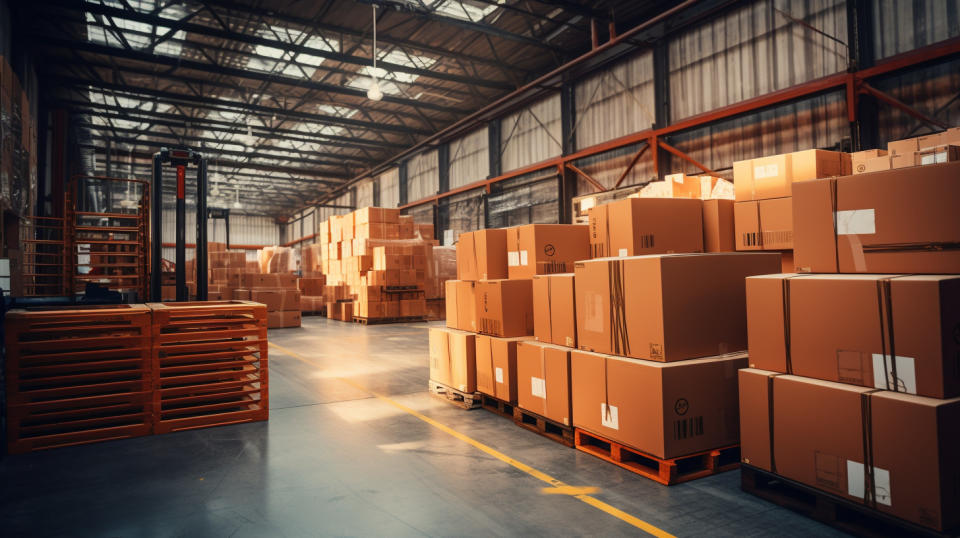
x=236, y=198
x=374, y=93
x=215, y=191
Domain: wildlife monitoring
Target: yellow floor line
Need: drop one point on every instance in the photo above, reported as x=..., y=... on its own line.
x=540, y=475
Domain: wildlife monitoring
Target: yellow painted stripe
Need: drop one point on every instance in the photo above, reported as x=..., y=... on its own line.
x=540, y=475
x=570, y=490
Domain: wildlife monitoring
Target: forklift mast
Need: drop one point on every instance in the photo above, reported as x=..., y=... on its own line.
x=180, y=159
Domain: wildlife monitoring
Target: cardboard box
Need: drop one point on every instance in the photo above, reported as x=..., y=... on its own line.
x=482, y=255
x=281, y=320
x=746, y=216
x=776, y=223
x=272, y=298
x=497, y=367
x=453, y=358
x=668, y=307
x=543, y=249
x=666, y=410
x=504, y=307
x=786, y=262
x=878, y=164
x=376, y=214
x=554, y=315
x=718, y=226
x=241, y=294
x=312, y=286
x=939, y=154
x=824, y=431
x=905, y=160
x=333, y=310
x=346, y=311
x=898, y=221
x=859, y=161
x=773, y=177
x=884, y=331
x=289, y=299
x=638, y=226
x=900, y=147
x=461, y=305
x=271, y=280
x=543, y=381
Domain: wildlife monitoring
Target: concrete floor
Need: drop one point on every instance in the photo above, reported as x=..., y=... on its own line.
x=336, y=461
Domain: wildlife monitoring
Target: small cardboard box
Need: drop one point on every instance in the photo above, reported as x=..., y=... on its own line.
x=774, y=176
x=272, y=298
x=497, y=367
x=543, y=249
x=482, y=255
x=718, y=226
x=639, y=226
x=453, y=358
x=505, y=307
x=554, y=315
x=543, y=380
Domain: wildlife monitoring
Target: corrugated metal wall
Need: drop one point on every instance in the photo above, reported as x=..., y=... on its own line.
x=531, y=135
x=755, y=50
x=469, y=159
x=901, y=26
x=615, y=102
x=244, y=230
x=365, y=193
x=423, y=177
x=390, y=188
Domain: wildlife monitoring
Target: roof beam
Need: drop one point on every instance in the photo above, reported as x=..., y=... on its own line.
x=253, y=39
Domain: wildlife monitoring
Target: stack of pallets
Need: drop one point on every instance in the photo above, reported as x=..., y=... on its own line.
x=209, y=364
x=77, y=375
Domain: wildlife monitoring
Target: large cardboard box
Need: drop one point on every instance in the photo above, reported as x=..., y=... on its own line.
x=543, y=249
x=764, y=224
x=892, y=451
x=272, y=298
x=905, y=146
x=543, y=380
x=504, y=307
x=283, y=319
x=638, y=226
x=666, y=410
x=666, y=307
x=718, y=226
x=554, y=315
x=289, y=299
x=885, y=331
x=482, y=255
x=773, y=177
x=376, y=214
x=461, y=305
x=860, y=160
x=497, y=367
x=897, y=221
x=453, y=358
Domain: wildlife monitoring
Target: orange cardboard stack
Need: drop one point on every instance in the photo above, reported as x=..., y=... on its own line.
x=933, y=148
x=854, y=387
x=763, y=214
x=382, y=260
x=278, y=291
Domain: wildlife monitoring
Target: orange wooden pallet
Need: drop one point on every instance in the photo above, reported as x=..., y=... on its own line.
x=465, y=400
x=666, y=471
x=209, y=364
x=496, y=405
x=77, y=374
x=541, y=425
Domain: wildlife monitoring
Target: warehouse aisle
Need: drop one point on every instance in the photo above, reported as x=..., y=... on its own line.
x=335, y=460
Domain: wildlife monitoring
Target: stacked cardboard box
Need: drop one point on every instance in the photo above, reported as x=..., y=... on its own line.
x=933, y=148
x=854, y=387
x=763, y=213
x=380, y=257
x=278, y=291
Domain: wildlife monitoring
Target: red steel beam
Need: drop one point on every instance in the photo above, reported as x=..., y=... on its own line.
x=685, y=157
x=896, y=103
x=596, y=184
x=633, y=162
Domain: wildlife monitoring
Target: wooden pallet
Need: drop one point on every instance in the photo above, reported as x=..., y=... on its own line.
x=210, y=364
x=666, y=471
x=851, y=517
x=539, y=424
x=77, y=374
x=379, y=321
x=497, y=406
x=466, y=400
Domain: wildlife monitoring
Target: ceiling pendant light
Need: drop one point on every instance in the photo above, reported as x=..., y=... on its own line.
x=374, y=93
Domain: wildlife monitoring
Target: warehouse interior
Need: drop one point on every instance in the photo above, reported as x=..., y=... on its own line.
x=480, y=267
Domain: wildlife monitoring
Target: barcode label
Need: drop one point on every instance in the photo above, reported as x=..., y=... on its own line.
x=490, y=326
x=778, y=237
x=552, y=267
x=686, y=428
x=646, y=241
x=751, y=239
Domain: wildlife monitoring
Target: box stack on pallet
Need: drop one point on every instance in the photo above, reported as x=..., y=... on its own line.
x=851, y=408
x=85, y=374
x=279, y=292
x=763, y=212
x=382, y=264
x=312, y=281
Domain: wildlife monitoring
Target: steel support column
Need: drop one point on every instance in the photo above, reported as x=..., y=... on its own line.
x=493, y=148
x=863, y=108
x=443, y=167
x=402, y=182
x=661, y=96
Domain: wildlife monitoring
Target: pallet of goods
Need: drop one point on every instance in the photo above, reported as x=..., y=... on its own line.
x=848, y=412
x=77, y=375
x=209, y=364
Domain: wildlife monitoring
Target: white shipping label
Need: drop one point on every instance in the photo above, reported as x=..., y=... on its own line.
x=765, y=171
x=881, y=482
x=538, y=387
x=929, y=158
x=941, y=157
x=587, y=203
x=523, y=257
x=609, y=416
x=513, y=258
x=499, y=375
x=906, y=376
x=678, y=178
x=856, y=222
x=623, y=253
